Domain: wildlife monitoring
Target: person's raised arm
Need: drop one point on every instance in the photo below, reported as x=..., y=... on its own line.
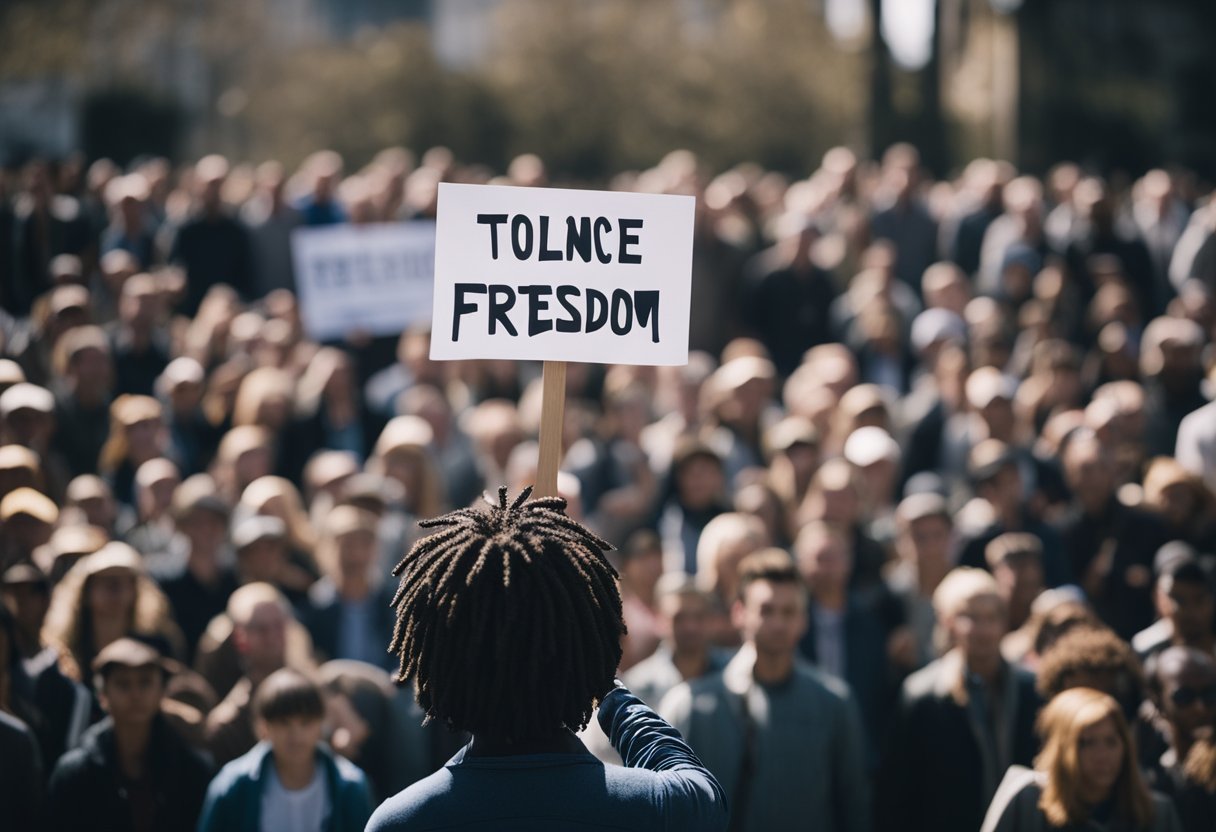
x=693, y=797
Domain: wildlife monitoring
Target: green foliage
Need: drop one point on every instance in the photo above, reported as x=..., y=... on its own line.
x=595, y=87
x=40, y=38
x=591, y=87
x=385, y=88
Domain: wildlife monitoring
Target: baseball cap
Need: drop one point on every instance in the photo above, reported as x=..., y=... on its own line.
x=256, y=528
x=29, y=502
x=868, y=445
x=128, y=652
x=26, y=396
x=987, y=384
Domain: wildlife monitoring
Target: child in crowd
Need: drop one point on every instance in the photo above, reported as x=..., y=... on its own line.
x=290, y=781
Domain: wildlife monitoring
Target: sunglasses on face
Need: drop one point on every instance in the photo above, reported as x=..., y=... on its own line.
x=1183, y=697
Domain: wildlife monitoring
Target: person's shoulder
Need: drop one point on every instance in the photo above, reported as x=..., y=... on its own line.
x=73, y=767
x=412, y=807
x=1201, y=420
x=347, y=772
x=703, y=695
x=1015, y=802
x=923, y=683
x=322, y=597
x=245, y=767
x=824, y=686
x=711, y=684
x=12, y=727
x=657, y=665
x=1165, y=812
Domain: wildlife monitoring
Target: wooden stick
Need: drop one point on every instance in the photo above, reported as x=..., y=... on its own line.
x=553, y=403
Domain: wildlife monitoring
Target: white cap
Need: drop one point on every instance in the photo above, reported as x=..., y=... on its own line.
x=935, y=325
x=25, y=396
x=987, y=384
x=868, y=445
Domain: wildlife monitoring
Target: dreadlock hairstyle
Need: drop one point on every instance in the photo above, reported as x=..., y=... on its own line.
x=508, y=619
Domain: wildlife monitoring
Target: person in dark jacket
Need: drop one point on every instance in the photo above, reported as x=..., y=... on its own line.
x=291, y=776
x=20, y=775
x=1111, y=545
x=20, y=763
x=1182, y=683
x=786, y=297
x=846, y=634
x=1192, y=694
x=961, y=721
x=131, y=771
x=348, y=613
x=212, y=246
x=538, y=651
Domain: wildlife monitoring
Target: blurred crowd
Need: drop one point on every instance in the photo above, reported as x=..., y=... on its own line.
x=973, y=414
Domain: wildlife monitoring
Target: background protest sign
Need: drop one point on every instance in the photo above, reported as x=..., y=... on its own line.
x=372, y=278
x=548, y=274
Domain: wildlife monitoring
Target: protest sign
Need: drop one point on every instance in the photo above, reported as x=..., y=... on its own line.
x=375, y=279
x=547, y=274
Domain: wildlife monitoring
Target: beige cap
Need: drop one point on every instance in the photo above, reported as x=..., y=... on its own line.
x=29, y=502
x=402, y=432
x=868, y=445
x=115, y=555
x=19, y=456
x=128, y=652
x=26, y=396
x=987, y=384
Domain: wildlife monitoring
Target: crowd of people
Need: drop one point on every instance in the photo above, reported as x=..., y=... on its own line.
x=923, y=536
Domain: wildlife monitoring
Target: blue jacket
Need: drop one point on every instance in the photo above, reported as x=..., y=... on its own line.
x=234, y=798
x=662, y=786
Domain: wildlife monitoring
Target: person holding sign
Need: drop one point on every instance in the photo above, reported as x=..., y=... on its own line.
x=509, y=624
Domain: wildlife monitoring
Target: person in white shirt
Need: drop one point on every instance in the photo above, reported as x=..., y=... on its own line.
x=290, y=781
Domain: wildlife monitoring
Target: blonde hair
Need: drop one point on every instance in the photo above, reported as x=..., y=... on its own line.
x=236, y=442
x=1164, y=471
x=959, y=588
x=258, y=387
x=261, y=491
x=410, y=436
x=126, y=411
x=316, y=377
x=1060, y=725
x=246, y=599
x=341, y=521
x=721, y=535
x=67, y=627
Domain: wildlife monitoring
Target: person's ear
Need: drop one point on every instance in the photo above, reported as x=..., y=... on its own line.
x=737, y=615
x=261, y=729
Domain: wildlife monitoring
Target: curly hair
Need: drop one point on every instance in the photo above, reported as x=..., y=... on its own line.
x=509, y=619
x=1087, y=651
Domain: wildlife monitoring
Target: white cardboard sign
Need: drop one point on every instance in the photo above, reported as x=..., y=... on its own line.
x=546, y=274
x=374, y=278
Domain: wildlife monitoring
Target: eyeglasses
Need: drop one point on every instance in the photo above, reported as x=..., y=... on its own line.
x=1184, y=697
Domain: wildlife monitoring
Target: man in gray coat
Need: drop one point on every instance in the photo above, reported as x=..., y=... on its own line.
x=784, y=740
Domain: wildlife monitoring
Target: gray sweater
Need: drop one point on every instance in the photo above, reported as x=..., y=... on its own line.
x=808, y=757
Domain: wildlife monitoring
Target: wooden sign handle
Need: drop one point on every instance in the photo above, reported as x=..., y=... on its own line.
x=553, y=403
